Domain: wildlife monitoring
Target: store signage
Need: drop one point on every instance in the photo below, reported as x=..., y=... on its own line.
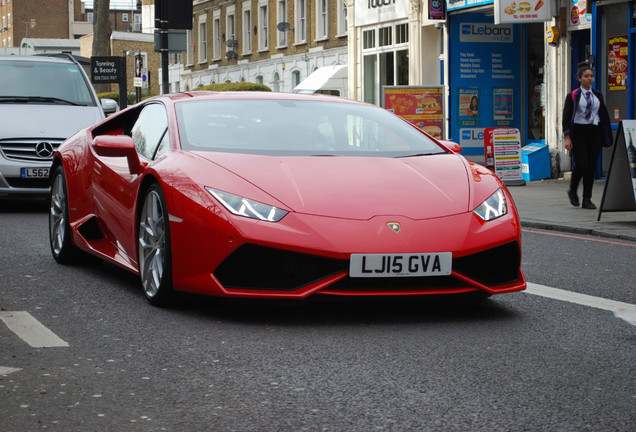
x=523, y=11
x=370, y=12
x=617, y=63
x=504, y=145
x=436, y=10
x=619, y=193
x=452, y=5
x=107, y=70
x=485, y=33
x=580, y=13
x=420, y=106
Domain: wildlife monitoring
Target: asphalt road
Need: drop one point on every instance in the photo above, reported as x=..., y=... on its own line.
x=519, y=361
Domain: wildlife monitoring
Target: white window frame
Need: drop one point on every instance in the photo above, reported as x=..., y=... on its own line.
x=203, y=39
x=247, y=27
x=281, y=15
x=300, y=21
x=190, y=47
x=137, y=22
x=89, y=17
x=263, y=25
x=124, y=17
x=322, y=20
x=216, y=34
x=230, y=25
x=342, y=18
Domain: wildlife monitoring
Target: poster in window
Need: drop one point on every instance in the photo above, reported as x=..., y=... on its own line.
x=421, y=106
x=617, y=63
x=502, y=105
x=468, y=106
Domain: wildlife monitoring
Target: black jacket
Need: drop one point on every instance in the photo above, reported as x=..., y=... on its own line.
x=571, y=101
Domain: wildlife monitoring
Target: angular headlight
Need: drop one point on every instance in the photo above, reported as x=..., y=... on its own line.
x=246, y=207
x=493, y=207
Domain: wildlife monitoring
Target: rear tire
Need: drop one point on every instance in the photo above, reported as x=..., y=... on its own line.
x=155, y=259
x=59, y=227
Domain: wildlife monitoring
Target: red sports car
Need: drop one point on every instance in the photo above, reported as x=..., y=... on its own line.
x=275, y=195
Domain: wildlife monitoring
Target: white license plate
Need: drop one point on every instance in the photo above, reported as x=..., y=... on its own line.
x=34, y=172
x=400, y=265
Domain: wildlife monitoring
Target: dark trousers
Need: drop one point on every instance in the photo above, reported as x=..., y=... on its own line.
x=586, y=147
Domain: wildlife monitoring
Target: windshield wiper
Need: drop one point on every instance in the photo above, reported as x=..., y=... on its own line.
x=45, y=99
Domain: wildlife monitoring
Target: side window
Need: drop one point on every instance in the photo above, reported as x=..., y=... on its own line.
x=150, y=132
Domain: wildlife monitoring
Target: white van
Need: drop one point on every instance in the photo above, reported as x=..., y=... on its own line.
x=331, y=80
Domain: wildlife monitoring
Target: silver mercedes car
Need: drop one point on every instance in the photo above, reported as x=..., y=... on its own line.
x=43, y=101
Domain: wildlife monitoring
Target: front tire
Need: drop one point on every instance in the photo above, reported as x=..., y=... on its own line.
x=155, y=259
x=59, y=227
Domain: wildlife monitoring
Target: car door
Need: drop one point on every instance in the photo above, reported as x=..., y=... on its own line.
x=115, y=187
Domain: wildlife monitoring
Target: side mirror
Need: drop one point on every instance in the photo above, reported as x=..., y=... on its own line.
x=109, y=106
x=118, y=146
x=452, y=146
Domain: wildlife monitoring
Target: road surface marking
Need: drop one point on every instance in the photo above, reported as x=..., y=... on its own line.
x=7, y=370
x=31, y=330
x=582, y=299
x=578, y=237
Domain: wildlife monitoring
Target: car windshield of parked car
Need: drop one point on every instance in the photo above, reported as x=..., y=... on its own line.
x=291, y=127
x=43, y=82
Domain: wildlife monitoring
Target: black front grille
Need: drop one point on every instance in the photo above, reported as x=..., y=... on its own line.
x=402, y=284
x=263, y=268
x=496, y=266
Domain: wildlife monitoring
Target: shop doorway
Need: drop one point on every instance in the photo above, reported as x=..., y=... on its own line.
x=535, y=86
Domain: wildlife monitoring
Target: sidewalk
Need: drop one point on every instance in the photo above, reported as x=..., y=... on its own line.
x=544, y=204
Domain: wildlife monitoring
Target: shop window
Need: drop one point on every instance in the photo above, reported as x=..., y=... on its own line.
x=368, y=37
x=385, y=36
x=401, y=33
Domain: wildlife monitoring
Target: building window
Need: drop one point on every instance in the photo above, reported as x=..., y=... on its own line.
x=231, y=29
x=137, y=22
x=368, y=39
x=263, y=27
x=203, y=40
x=282, y=18
x=342, y=17
x=89, y=17
x=385, y=36
x=401, y=33
x=124, y=17
x=216, y=34
x=321, y=19
x=247, y=31
x=259, y=79
x=301, y=21
x=384, y=64
x=190, y=47
x=295, y=78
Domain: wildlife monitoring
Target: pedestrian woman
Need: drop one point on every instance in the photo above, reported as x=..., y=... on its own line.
x=586, y=127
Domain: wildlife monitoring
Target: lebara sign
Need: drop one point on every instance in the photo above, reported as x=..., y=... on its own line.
x=370, y=12
x=485, y=33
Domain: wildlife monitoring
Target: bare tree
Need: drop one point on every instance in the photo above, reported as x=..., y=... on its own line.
x=101, y=28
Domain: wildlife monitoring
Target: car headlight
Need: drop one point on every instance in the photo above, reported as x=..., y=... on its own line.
x=246, y=207
x=493, y=207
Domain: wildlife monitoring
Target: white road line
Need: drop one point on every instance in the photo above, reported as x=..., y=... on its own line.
x=7, y=370
x=31, y=330
x=582, y=299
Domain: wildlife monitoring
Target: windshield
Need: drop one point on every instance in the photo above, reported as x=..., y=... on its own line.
x=43, y=82
x=287, y=127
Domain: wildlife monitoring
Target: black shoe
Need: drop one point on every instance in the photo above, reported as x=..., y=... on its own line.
x=573, y=198
x=587, y=204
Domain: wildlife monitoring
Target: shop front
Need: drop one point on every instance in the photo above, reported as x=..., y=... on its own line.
x=495, y=71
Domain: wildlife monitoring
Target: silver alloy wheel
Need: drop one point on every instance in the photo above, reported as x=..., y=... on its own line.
x=152, y=244
x=57, y=215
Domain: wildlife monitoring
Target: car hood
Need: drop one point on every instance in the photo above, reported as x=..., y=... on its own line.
x=357, y=188
x=45, y=121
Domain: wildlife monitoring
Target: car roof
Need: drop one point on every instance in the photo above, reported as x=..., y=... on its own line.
x=260, y=95
x=36, y=59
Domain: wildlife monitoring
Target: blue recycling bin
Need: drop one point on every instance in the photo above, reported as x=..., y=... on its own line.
x=535, y=162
